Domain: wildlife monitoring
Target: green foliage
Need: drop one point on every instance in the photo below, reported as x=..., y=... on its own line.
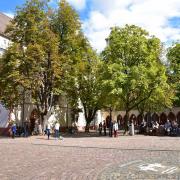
x=89, y=85
x=81, y=82
x=10, y=92
x=173, y=56
x=134, y=71
x=65, y=23
x=50, y=56
x=33, y=56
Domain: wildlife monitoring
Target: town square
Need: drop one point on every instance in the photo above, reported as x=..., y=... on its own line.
x=83, y=157
x=89, y=89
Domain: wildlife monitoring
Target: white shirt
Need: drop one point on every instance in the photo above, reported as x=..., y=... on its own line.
x=57, y=125
x=155, y=125
x=115, y=126
x=48, y=126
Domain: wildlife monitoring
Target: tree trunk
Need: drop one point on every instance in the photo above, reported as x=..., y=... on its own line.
x=126, y=122
x=89, y=116
x=41, y=119
x=110, y=114
x=87, y=127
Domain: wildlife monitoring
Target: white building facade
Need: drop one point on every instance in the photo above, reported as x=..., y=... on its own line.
x=4, y=43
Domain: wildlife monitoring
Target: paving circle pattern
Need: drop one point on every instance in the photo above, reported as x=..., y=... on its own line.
x=142, y=169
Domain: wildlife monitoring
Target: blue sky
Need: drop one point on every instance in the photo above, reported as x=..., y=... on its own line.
x=9, y=6
x=159, y=17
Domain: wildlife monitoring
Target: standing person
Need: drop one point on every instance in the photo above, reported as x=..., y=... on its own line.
x=174, y=129
x=167, y=127
x=142, y=128
x=48, y=130
x=13, y=129
x=57, y=126
x=104, y=127
x=131, y=128
x=111, y=128
x=100, y=128
x=115, y=127
x=26, y=129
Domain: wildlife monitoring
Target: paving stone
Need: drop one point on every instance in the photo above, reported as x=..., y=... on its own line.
x=76, y=158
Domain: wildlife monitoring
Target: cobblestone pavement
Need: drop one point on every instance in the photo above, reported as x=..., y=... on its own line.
x=125, y=157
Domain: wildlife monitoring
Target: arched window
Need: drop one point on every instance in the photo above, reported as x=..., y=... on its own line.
x=155, y=117
x=139, y=119
x=163, y=118
x=178, y=118
x=171, y=116
x=133, y=119
x=33, y=117
x=107, y=121
x=119, y=119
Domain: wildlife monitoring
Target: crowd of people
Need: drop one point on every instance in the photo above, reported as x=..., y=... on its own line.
x=151, y=128
x=112, y=127
x=170, y=128
x=25, y=130
x=154, y=128
x=19, y=130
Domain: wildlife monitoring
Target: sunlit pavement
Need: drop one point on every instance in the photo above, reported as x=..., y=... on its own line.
x=84, y=157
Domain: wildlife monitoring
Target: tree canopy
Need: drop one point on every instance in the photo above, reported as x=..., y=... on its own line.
x=134, y=70
x=50, y=56
x=80, y=70
x=33, y=56
x=173, y=57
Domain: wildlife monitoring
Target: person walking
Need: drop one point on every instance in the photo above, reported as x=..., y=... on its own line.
x=13, y=130
x=104, y=127
x=26, y=129
x=57, y=126
x=100, y=128
x=48, y=130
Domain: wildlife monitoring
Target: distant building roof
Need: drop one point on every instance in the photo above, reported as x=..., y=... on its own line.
x=4, y=21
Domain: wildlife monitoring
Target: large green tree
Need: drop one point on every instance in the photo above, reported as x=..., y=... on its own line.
x=66, y=24
x=173, y=57
x=33, y=58
x=88, y=85
x=134, y=70
x=81, y=65
x=10, y=91
x=160, y=99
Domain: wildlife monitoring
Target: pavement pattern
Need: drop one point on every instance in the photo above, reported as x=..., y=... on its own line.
x=81, y=157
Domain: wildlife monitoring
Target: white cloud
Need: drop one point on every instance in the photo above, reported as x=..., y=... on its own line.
x=78, y=4
x=153, y=15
